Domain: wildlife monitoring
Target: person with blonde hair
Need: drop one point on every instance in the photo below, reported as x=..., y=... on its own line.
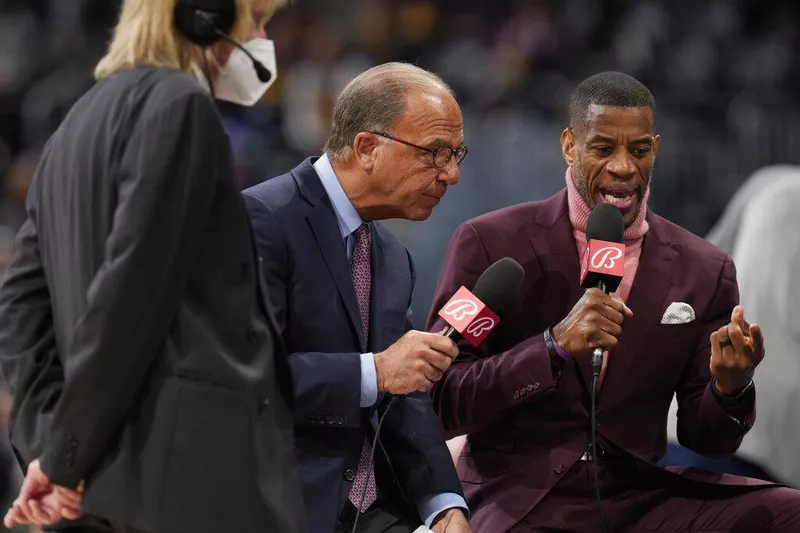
x=151, y=389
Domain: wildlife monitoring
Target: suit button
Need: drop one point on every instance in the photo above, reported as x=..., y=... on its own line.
x=560, y=469
x=529, y=388
x=516, y=395
x=523, y=392
x=321, y=420
x=558, y=374
x=312, y=419
x=349, y=475
x=339, y=420
x=330, y=419
x=73, y=443
x=536, y=385
x=260, y=259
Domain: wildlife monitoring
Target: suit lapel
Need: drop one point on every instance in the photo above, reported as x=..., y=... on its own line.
x=324, y=226
x=647, y=300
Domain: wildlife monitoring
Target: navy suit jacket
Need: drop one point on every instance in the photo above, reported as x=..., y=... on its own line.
x=310, y=287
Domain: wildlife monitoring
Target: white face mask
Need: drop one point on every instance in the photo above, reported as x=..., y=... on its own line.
x=237, y=81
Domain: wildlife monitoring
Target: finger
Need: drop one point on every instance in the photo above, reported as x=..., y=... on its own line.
x=617, y=304
x=70, y=514
x=18, y=510
x=67, y=497
x=436, y=359
x=22, y=505
x=425, y=385
x=740, y=347
x=737, y=315
x=38, y=513
x=15, y=515
x=611, y=314
x=604, y=340
x=615, y=330
x=13, y=519
x=443, y=345
x=716, y=351
x=41, y=514
x=758, y=341
x=52, y=503
x=432, y=374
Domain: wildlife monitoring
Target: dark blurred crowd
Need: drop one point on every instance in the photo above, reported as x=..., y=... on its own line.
x=725, y=74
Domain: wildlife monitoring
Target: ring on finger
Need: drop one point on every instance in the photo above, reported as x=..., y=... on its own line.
x=725, y=342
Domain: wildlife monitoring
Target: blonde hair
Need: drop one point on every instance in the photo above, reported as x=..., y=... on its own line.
x=146, y=35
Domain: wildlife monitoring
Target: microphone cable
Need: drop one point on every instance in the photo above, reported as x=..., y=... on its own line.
x=394, y=400
x=606, y=527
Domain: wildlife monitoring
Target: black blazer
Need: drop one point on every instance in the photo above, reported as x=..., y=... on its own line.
x=306, y=267
x=133, y=325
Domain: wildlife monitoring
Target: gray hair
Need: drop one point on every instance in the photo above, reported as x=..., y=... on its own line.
x=373, y=101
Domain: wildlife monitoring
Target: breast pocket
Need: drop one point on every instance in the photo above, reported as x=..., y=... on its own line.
x=675, y=332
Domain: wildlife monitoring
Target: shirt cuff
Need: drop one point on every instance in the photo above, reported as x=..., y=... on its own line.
x=369, y=380
x=433, y=504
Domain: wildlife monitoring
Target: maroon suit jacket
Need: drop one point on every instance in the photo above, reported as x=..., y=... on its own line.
x=528, y=424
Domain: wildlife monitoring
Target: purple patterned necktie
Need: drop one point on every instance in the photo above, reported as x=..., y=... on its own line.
x=361, y=271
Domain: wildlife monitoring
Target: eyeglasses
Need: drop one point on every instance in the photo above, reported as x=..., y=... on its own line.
x=441, y=155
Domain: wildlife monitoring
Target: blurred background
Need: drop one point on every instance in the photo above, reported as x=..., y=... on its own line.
x=725, y=74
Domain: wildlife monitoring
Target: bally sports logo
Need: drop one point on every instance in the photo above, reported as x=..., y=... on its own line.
x=477, y=328
x=602, y=261
x=606, y=257
x=461, y=308
x=469, y=316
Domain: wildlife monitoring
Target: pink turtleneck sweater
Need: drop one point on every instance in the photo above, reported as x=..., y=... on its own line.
x=632, y=238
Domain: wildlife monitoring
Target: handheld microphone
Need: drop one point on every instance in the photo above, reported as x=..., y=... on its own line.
x=602, y=266
x=471, y=314
x=261, y=71
x=603, y=262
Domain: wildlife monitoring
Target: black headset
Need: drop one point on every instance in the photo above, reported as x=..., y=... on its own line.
x=204, y=22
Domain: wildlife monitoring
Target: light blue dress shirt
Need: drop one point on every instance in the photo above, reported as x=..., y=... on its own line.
x=349, y=221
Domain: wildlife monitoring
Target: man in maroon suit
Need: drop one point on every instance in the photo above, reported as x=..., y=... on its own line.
x=673, y=326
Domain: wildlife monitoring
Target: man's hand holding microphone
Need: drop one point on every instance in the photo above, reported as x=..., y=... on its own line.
x=594, y=322
x=414, y=363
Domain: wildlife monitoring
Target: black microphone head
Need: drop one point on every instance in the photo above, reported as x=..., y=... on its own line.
x=263, y=74
x=499, y=283
x=605, y=224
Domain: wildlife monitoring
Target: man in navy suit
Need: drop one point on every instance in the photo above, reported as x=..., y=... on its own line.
x=341, y=286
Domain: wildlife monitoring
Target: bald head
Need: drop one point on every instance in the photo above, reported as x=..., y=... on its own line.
x=374, y=101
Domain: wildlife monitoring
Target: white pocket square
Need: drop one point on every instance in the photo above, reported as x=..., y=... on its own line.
x=678, y=313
